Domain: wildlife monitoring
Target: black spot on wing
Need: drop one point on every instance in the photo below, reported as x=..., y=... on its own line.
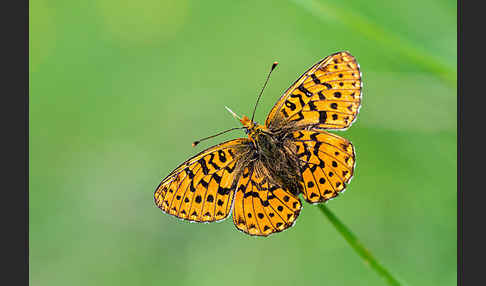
x=204, y=183
x=217, y=178
x=229, y=169
x=189, y=173
x=214, y=165
x=305, y=90
x=222, y=156
x=204, y=166
x=312, y=106
x=290, y=105
x=252, y=194
x=322, y=116
x=284, y=113
x=316, y=148
x=223, y=191
x=302, y=103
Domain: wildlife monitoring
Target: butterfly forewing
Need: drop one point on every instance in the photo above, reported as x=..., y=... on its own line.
x=327, y=96
x=327, y=163
x=262, y=208
x=201, y=189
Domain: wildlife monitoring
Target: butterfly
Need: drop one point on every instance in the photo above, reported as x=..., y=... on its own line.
x=259, y=178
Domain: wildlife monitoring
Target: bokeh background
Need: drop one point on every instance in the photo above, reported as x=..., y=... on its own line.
x=120, y=89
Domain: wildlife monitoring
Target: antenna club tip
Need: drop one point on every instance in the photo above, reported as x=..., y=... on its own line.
x=194, y=144
x=274, y=65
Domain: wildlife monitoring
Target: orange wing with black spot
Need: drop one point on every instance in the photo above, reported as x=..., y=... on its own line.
x=262, y=208
x=327, y=96
x=202, y=188
x=328, y=163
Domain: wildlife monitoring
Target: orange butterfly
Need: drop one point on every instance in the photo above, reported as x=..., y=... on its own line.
x=260, y=177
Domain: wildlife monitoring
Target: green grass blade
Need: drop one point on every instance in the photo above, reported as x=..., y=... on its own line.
x=358, y=247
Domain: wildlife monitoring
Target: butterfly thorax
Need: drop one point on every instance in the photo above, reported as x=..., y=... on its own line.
x=273, y=157
x=260, y=137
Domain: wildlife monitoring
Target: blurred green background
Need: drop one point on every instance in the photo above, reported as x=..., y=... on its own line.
x=120, y=89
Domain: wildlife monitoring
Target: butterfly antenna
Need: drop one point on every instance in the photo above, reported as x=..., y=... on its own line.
x=194, y=144
x=261, y=92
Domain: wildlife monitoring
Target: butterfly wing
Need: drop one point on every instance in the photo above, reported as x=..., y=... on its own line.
x=201, y=189
x=327, y=96
x=262, y=208
x=328, y=163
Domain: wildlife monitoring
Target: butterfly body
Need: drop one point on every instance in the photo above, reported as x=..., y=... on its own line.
x=274, y=157
x=260, y=178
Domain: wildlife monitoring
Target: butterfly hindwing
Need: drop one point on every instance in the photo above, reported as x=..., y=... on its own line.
x=201, y=189
x=262, y=208
x=327, y=96
x=328, y=163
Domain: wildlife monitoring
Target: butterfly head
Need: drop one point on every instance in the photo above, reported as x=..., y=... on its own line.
x=251, y=128
x=247, y=122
